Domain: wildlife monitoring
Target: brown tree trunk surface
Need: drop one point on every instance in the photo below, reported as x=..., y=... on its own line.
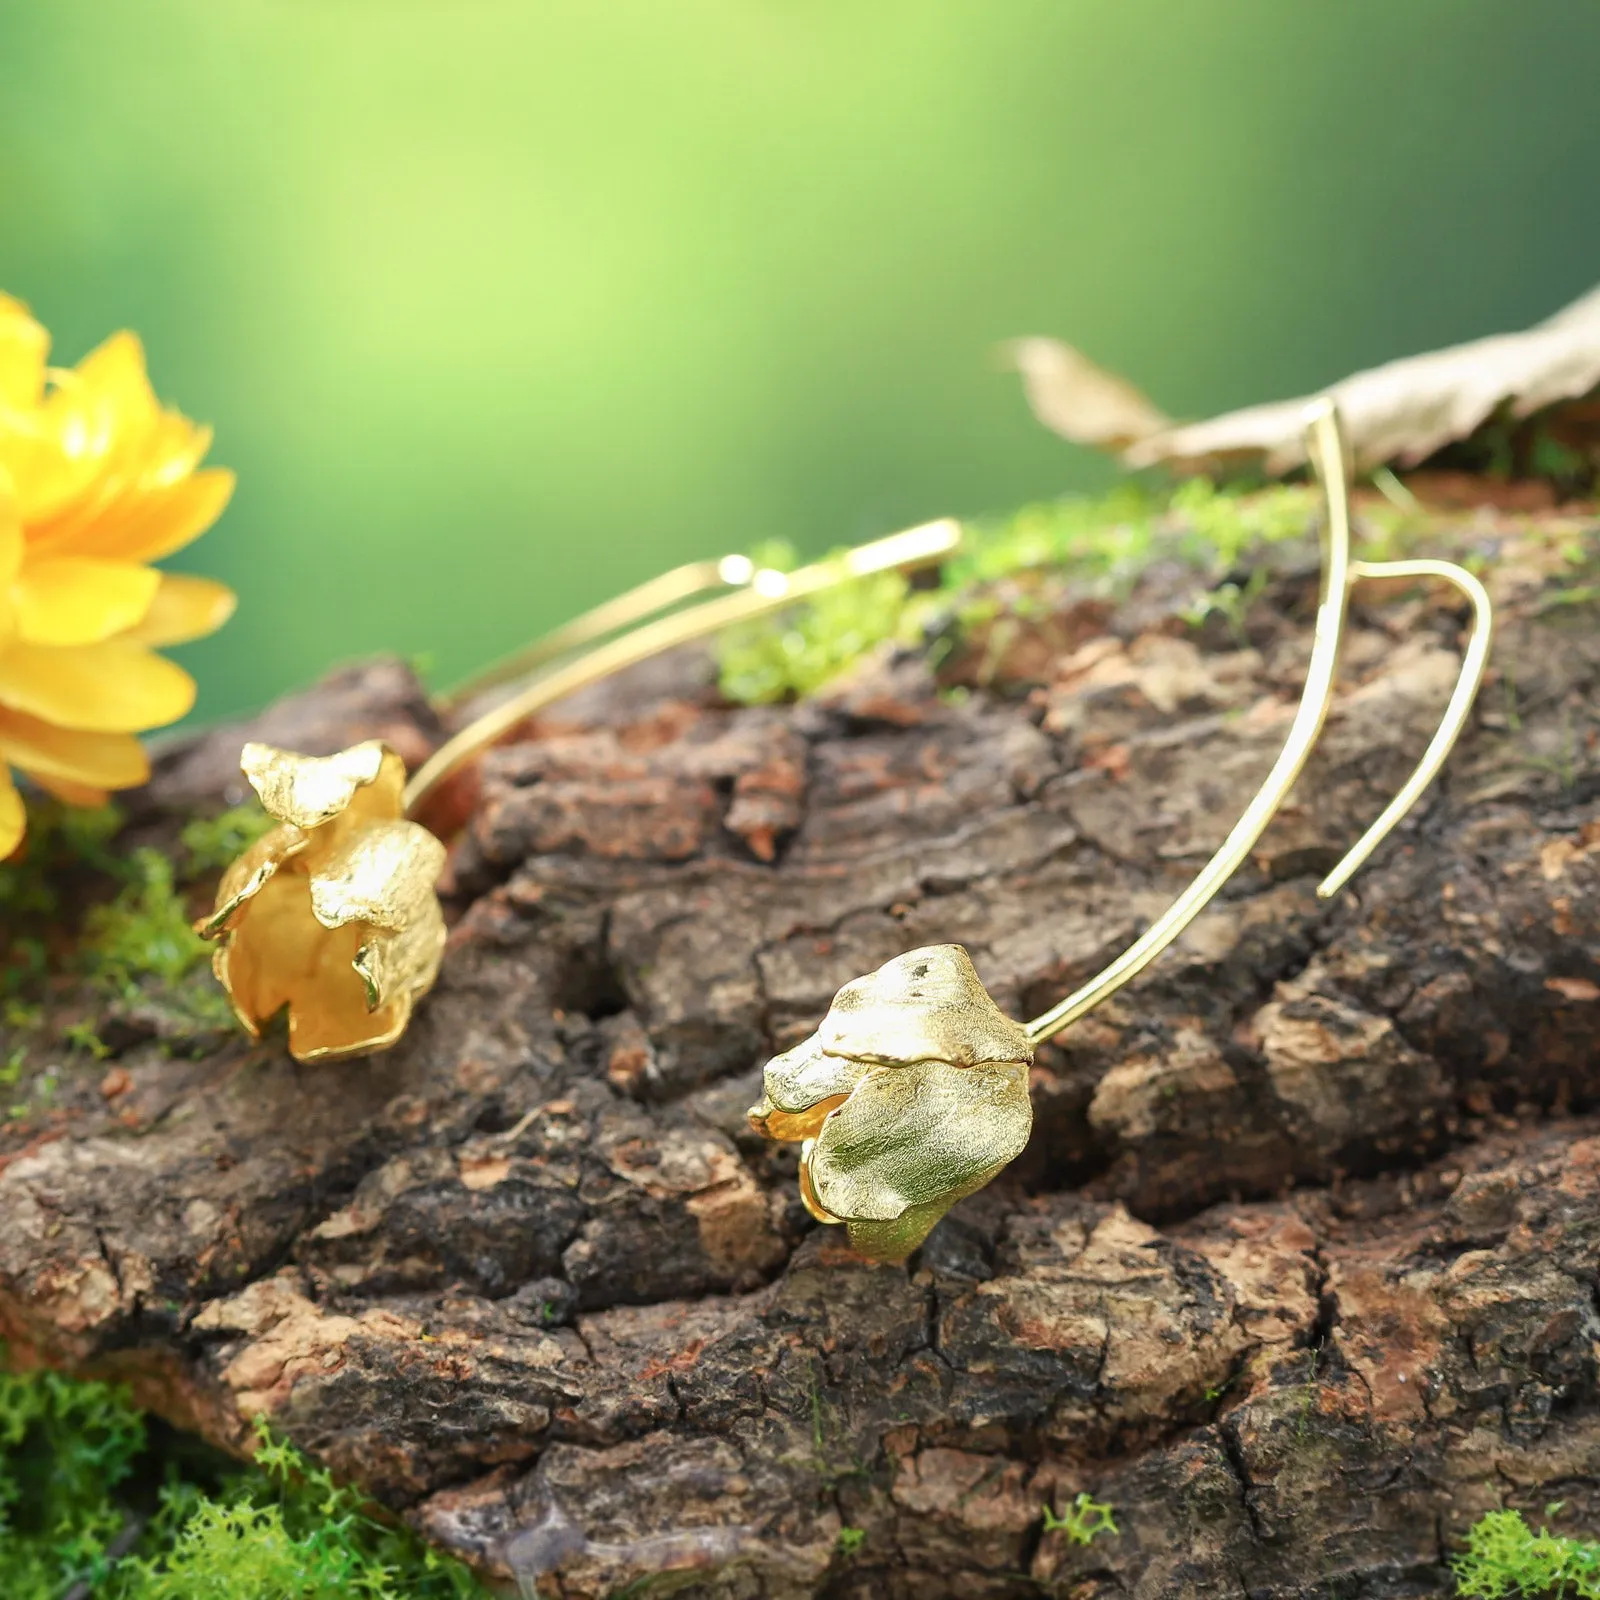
x=1299, y=1273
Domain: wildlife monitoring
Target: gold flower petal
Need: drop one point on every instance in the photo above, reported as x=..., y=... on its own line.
x=248, y=875
x=911, y=1135
x=802, y=1086
x=382, y=875
x=402, y=965
x=269, y=956
x=805, y=1075
x=363, y=782
x=927, y=1005
x=808, y=1195
x=895, y=1240
x=328, y=1014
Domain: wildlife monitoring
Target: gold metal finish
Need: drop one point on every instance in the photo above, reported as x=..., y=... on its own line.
x=767, y=591
x=333, y=913
x=1473, y=662
x=913, y=1092
x=1325, y=445
x=611, y=616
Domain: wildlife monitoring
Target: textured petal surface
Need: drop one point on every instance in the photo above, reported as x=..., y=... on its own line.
x=277, y=955
x=403, y=965
x=69, y=600
x=911, y=1135
x=312, y=790
x=99, y=760
x=249, y=873
x=382, y=874
x=802, y=1086
x=113, y=687
x=182, y=608
x=927, y=1005
x=270, y=953
x=328, y=1033
x=13, y=820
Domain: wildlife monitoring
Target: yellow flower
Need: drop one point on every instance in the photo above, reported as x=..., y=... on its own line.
x=333, y=914
x=96, y=482
x=912, y=1093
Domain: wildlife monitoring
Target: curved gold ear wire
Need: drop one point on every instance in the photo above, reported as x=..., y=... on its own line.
x=767, y=591
x=914, y=1090
x=334, y=912
x=1474, y=659
x=1329, y=457
x=610, y=616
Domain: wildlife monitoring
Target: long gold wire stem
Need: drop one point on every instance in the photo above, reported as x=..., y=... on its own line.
x=1474, y=659
x=768, y=591
x=611, y=616
x=1326, y=447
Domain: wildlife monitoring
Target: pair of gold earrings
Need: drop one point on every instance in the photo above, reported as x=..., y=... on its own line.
x=913, y=1091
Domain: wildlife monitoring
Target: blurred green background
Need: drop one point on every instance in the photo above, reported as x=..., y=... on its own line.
x=499, y=307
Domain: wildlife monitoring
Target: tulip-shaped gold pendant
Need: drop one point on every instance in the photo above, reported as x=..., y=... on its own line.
x=912, y=1093
x=333, y=913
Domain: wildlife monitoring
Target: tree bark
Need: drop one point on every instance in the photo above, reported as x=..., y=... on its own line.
x=1298, y=1274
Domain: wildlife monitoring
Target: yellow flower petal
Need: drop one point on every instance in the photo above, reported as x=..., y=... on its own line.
x=24, y=345
x=100, y=410
x=184, y=608
x=158, y=523
x=70, y=793
x=13, y=819
x=67, y=600
x=111, y=687
x=96, y=760
x=12, y=543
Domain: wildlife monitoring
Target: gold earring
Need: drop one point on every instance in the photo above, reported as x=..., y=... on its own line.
x=913, y=1092
x=334, y=914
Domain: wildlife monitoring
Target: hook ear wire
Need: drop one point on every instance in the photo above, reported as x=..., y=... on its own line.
x=1325, y=444
x=757, y=592
x=1474, y=659
x=610, y=616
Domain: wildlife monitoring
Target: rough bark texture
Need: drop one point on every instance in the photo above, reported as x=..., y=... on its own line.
x=1300, y=1271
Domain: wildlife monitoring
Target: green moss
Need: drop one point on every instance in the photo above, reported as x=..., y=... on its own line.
x=1084, y=1520
x=63, y=842
x=212, y=842
x=144, y=932
x=1103, y=544
x=760, y=664
x=1505, y=1558
x=850, y=1541
x=76, y=1461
